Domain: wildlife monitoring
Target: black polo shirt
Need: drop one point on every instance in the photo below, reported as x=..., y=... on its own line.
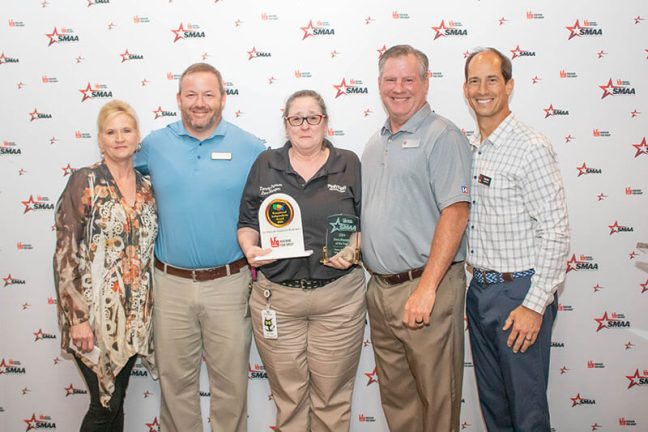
x=334, y=189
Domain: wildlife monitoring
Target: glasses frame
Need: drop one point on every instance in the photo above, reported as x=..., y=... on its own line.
x=304, y=119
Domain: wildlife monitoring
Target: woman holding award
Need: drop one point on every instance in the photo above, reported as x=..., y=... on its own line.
x=106, y=226
x=308, y=311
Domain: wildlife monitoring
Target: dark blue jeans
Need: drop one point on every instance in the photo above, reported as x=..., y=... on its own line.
x=99, y=418
x=512, y=386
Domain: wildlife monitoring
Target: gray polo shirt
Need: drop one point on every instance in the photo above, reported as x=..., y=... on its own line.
x=408, y=177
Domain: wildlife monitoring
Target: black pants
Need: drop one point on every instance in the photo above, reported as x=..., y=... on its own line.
x=99, y=418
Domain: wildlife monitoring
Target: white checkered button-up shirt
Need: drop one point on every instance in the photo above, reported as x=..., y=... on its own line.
x=518, y=217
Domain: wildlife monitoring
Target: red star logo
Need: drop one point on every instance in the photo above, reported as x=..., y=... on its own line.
x=53, y=140
x=67, y=170
x=597, y=287
x=7, y=280
x=563, y=370
x=238, y=113
x=629, y=345
x=605, y=88
x=595, y=427
x=381, y=51
x=271, y=80
x=372, y=376
x=252, y=53
x=56, y=361
x=28, y=204
x=634, y=379
x=368, y=20
x=25, y=390
x=438, y=29
x=307, y=29
x=33, y=115
x=238, y=23
x=638, y=19
x=601, y=54
x=614, y=228
x=179, y=33
x=79, y=59
x=644, y=286
x=367, y=112
x=516, y=52
x=642, y=147
x=31, y=423
x=90, y=3
x=3, y=366
x=334, y=53
x=145, y=82
x=465, y=425
x=158, y=112
x=502, y=21
x=466, y=54
x=111, y=26
x=154, y=426
x=571, y=264
x=568, y=139
x=366, y=343
x=634, y=113
x=38, y=335
x=26, y=306
x=549, y=111
x=53, y=37
x=632, y=254
x=20, y=85
x=576, y=400
x=147, y=394
x=535, y=79
x=204, y=56
x=582, y=170
x=85, y=92
x=601, y=196
x=602, y=322
x=2, y=58
x=125, y=56
x=341, y=88
x=69, y=390
x=574, y=30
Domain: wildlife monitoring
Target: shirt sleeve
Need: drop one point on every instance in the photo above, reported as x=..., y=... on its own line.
x=71, y=215
x=449, y=166
x=356, y=172
x=544, y=195
x=250, y=200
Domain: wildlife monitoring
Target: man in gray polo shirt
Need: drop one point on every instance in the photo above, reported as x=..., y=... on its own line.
x=415, y=176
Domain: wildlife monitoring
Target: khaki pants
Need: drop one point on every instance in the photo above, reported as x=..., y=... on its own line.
x=208, y=318
x=311, y=366
x=420, y=372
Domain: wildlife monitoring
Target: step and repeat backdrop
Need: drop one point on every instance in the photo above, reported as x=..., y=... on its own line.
x=581, y=77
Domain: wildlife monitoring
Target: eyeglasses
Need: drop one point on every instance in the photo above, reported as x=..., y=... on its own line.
x=313, y=120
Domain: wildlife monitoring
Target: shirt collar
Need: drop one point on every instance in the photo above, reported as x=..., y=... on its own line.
x=279, y=159
x=179, y=129
x=410, y=125
x=499, y=136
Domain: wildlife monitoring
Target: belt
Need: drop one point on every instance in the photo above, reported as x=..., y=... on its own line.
x=394, y=279
x=492, y=277
x=201, y=275
x=306, y=283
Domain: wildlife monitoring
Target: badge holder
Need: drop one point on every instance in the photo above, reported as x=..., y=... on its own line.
x=269, y=318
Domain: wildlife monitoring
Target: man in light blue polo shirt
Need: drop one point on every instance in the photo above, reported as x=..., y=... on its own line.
x=198, y=167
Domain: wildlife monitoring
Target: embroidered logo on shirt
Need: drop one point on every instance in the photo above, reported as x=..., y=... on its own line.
x=337, y=188
x=465, y=190
x=485, y=180
x=267, y=190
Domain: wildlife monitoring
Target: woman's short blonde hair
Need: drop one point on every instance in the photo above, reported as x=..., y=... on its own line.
x=113, y=107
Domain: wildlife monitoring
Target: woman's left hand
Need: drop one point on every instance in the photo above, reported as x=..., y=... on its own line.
x=342, y=260
x=82, y=336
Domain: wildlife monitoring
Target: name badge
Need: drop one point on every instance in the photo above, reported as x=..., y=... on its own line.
x=269, y=323
x=410, y=143
x=485, y=180
x=221, y=156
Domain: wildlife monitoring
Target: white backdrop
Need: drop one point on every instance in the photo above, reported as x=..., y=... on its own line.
x=581, y=71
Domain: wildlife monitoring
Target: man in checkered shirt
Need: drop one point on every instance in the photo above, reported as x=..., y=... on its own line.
x=518, y=238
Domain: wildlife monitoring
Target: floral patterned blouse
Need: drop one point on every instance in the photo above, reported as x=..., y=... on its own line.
x=103, y=269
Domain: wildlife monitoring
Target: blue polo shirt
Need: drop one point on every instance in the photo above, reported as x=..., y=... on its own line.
x=198, y=191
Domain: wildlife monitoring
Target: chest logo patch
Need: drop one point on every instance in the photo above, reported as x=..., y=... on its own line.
x=485, y=180
x=337, y=188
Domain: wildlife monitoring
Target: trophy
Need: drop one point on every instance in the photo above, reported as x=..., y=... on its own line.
x=342, y=231
x=280, y=228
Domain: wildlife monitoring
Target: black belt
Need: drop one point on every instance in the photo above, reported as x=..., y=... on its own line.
x=201, y=275
x=409, y=275
x=306, y=283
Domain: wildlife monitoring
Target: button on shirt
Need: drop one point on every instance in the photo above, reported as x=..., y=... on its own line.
x=408, y=178
x=518, y=217
x=198, y=196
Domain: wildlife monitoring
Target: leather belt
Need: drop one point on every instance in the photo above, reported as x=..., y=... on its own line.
x=394, y=279
x=201, y=275
x=306, y=283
